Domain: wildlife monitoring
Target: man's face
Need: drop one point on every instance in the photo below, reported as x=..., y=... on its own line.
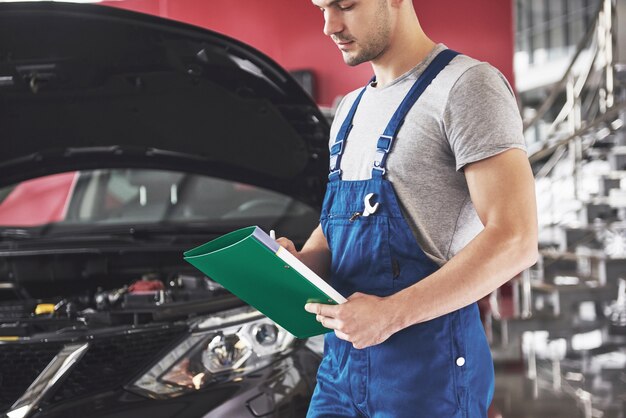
x=359, y=28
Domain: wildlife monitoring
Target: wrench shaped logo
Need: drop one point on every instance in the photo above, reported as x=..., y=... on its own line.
x=369, y=209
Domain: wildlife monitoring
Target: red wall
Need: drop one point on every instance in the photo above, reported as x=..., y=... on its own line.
x=290, y=31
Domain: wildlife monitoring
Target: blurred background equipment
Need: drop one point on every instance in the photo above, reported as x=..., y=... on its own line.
x=565, y=318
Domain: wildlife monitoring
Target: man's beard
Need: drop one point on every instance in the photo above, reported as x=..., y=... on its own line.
x=368, y=53
x=378, y=43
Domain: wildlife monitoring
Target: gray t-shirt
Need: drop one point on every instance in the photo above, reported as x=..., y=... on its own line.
x=467, y=114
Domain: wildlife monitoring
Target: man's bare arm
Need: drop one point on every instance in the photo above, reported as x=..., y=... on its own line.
x=315, y=253
x=502, y=191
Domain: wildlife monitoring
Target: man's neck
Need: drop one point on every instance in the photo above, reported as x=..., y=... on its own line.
x=404, y=52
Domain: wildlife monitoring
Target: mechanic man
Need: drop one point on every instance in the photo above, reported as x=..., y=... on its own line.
x=430, y=206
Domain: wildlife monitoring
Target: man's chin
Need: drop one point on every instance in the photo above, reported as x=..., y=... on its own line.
x=352, y=60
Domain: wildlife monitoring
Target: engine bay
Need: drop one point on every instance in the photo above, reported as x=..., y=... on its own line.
x=101, y=292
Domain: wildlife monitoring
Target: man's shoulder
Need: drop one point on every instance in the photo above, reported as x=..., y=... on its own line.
x=465, y=62
x=351, y=96
x=342, y=108
x=463, y=66
x=467, y=72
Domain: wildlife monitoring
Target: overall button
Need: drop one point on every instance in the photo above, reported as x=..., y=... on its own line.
x=460, y=361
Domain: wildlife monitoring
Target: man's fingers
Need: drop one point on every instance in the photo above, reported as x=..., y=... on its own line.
x=327, y=322
x=285, y=242
x=321, y=309
x=288, y=245
x=312, y=308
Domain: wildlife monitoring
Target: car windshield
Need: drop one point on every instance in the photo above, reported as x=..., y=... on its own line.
x=123, y=196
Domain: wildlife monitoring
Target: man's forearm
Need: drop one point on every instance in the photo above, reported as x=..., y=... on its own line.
x=489, y=260
x=503, y=193
x=315, y=253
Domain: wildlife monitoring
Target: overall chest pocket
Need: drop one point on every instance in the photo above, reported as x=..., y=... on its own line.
x=361, y=260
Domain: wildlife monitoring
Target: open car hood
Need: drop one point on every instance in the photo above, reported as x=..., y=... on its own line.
x=88, y=86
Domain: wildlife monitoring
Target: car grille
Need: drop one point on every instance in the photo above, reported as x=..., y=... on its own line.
x=109, y=363
x=20, y=364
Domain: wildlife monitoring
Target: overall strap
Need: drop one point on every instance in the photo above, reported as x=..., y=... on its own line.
x=336, y=151
x=386, y=139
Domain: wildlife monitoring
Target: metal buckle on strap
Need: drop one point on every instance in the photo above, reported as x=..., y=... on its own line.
x=384, y=143
x=337, y=148
x=334, y=174
x=382, y=170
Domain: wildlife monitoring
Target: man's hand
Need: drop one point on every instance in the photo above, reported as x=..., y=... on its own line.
x=288, y=245
x=315, y=253
x=364, y=320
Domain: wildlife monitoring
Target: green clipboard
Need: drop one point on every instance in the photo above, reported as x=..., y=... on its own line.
x=252, y=266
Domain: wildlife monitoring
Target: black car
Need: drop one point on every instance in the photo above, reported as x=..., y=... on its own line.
x=127, y=139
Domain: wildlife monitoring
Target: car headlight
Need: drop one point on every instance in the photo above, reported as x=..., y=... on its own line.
x=222, y=349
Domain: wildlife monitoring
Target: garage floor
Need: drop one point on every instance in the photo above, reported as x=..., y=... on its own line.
x=518, y=397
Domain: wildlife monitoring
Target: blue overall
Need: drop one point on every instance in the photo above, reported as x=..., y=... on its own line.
x=437, y=369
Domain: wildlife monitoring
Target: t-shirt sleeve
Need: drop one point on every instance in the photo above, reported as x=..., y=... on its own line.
x=481, y=118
